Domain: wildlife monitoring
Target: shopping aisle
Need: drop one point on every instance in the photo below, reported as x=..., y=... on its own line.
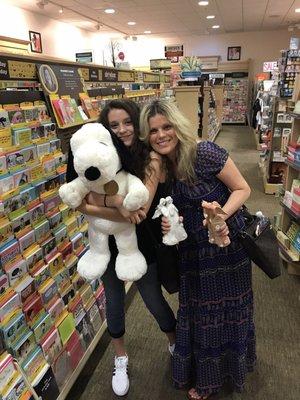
x=277, y=322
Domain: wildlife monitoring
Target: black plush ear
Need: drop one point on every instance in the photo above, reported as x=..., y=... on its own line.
x=71, y=173
x=124, y=154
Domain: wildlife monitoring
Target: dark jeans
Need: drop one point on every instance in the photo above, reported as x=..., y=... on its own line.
x=150, y=290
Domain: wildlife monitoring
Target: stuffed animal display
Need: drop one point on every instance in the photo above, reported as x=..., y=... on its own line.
x=98, y=166
x=177, y=232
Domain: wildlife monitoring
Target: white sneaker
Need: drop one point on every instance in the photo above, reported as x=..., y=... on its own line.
x=120, y=380
x=171, y=348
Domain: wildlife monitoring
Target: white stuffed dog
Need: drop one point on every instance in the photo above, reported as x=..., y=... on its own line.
x=177, y=232
x=97, y=163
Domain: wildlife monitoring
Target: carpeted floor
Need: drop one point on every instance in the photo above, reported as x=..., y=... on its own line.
x=277, y=375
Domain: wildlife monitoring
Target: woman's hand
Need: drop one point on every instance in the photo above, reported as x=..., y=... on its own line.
x=165, y=225
x=222, y=229
x=97, y=199
x=134, y=217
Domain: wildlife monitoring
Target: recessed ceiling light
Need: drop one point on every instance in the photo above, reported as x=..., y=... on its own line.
x=210, y=17
x=61, y=10
x=147, y=32
x=131, y=23
x=203, y=3
x=109, y=11
x=297, y=10
x=216, y=26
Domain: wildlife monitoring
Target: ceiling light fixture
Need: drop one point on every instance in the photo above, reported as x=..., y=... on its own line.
x=203, y=3
x=109, y=11
x=216, y=26
x=131, y=23
x=147, y=32
x=297, y=10
x=210, y=17
x=61, y=10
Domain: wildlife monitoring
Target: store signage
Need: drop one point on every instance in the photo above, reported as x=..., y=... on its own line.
x=161, y=63
x=109, y=75
x=209, y=63
x=270, y=66
x=151, y=78
x=60, y=79
x=138, y=76
x=3, y=69
x=175, y=50
x=85, y=57
x=125, y=76
x=94, y=74
x=85, y=73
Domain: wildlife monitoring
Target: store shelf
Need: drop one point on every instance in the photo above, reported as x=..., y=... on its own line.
x=269, y=188
x=294, y=115
x=287, y=254
x=293, y=165
x=70, y=382
x=295, y=216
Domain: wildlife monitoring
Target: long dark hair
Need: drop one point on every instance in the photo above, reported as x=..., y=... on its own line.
x=139, y=150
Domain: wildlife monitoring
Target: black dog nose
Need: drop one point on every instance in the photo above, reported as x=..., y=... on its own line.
x=92, y=173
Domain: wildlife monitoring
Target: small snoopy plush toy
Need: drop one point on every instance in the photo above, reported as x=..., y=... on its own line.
x=98, y=167
x=177, y=232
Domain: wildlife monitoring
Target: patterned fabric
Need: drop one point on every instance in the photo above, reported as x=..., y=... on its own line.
x=215, y=337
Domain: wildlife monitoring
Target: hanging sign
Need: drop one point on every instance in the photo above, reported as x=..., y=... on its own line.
x=270, y=66
x=175, y=50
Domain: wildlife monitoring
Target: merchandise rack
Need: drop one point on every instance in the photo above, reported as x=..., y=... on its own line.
x=290, y=254
x=72, y=379
x=20, y=74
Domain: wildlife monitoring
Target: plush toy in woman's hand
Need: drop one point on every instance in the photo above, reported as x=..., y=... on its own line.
x=213, y=214
x=98, y=166
x=177, y=232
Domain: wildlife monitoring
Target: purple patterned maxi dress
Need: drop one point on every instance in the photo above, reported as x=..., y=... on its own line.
x=215, y=335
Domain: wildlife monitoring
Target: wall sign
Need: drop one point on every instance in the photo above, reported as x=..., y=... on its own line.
x=175, y=50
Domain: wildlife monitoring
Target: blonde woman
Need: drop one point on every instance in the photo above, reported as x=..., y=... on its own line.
x=215, y=337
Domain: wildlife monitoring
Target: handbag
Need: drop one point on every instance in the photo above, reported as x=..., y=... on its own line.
x=260, y=242
x=167, y=263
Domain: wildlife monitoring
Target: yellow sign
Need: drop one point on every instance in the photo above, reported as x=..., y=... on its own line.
x=21, y=69
x=84, y=73
x=125, y=76
x=151, y=78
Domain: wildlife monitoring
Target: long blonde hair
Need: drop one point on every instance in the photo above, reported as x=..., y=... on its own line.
x=187, y=147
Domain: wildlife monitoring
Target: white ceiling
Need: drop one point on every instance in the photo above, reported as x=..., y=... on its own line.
x=169, y=18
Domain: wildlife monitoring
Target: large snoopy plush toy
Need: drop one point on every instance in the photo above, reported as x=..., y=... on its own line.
x=97, y=164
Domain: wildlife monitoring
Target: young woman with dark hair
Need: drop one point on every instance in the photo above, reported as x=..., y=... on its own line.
x=122, y=118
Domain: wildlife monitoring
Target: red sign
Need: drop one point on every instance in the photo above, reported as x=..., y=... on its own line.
x=121, y=56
